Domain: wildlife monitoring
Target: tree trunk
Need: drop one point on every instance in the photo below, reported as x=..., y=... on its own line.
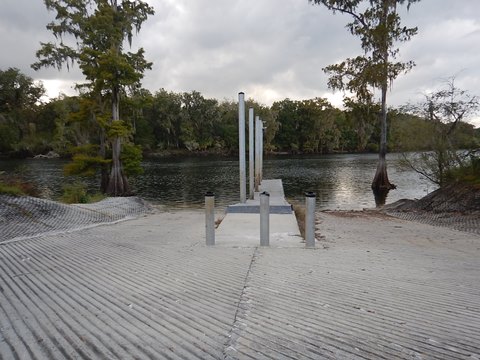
x=117, y=184
x=104, y=170
x=380, y=181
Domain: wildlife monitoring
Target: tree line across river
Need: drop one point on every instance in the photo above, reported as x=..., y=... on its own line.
x=167, y=121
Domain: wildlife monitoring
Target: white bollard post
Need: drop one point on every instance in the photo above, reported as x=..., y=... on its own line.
x=241, y=147
x=310, y=220
x=210, y=218
x=264, y=219
x=251, y=152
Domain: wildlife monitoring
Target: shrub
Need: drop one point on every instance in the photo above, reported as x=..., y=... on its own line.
x=77, y=193
x=469, y=173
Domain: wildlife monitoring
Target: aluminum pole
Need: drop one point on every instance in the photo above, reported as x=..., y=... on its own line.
x=251, y=153
x=241, y=147
x=257, y=152
x=261, y=150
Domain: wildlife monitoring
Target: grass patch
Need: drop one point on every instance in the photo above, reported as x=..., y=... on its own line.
x=16, y=186
x=6, y=189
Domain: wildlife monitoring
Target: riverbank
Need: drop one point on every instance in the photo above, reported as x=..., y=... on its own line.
x=455, y=206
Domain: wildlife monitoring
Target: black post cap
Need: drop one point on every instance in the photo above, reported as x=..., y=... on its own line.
x=310, y=194
x=265, y=193
x=209, y=193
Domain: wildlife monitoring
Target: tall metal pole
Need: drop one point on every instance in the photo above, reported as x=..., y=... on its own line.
x=310, y=220
x=261, y=150
x=264, y=219
x=257, y=151
x=241, y=146
x=251, y=151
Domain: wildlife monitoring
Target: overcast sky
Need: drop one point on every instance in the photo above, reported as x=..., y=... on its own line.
x=270, y=49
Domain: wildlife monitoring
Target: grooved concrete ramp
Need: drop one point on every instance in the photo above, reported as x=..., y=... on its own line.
x=375, y=288
x=143, y=289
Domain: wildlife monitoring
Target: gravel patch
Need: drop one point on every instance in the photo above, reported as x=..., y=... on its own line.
x=25, y=217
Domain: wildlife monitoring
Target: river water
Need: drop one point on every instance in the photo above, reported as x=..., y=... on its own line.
x=340, y=181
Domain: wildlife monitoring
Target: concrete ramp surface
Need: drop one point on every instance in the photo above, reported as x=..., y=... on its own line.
x=149, y=288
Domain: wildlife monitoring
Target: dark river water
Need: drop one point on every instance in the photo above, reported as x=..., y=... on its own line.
x=340, y=181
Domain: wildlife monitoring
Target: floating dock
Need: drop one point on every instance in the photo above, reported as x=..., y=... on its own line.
x=278, y=204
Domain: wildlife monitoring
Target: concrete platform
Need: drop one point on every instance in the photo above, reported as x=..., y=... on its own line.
x=243, y=231
x=278, y=204
x=241, y=225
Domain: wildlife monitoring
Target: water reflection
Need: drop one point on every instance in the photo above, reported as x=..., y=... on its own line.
x=340, y=181
x=380, y=197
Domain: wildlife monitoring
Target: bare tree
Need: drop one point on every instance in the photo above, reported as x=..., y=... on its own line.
x=446, y=111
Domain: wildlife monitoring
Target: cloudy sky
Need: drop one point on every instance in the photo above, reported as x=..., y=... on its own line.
x=270, y=49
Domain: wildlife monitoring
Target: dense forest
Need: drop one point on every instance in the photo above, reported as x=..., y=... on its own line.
x=169, y=122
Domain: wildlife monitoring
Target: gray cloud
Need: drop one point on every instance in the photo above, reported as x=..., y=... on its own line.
x=271, y=49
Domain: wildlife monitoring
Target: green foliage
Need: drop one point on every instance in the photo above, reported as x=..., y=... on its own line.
x=226, y=131
x=362, y=118
x=119, y=129
x=77, y=193
x=310, y=126
x=6, y=189
x=466, y=173
x=84, y=165
x=18, y=92
x=408, y=132
x=199, y=119
x=85, y=161
x=372, y=147
x=19, y=97
x=9, y=135
x=160, y=122
x=131, y=157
